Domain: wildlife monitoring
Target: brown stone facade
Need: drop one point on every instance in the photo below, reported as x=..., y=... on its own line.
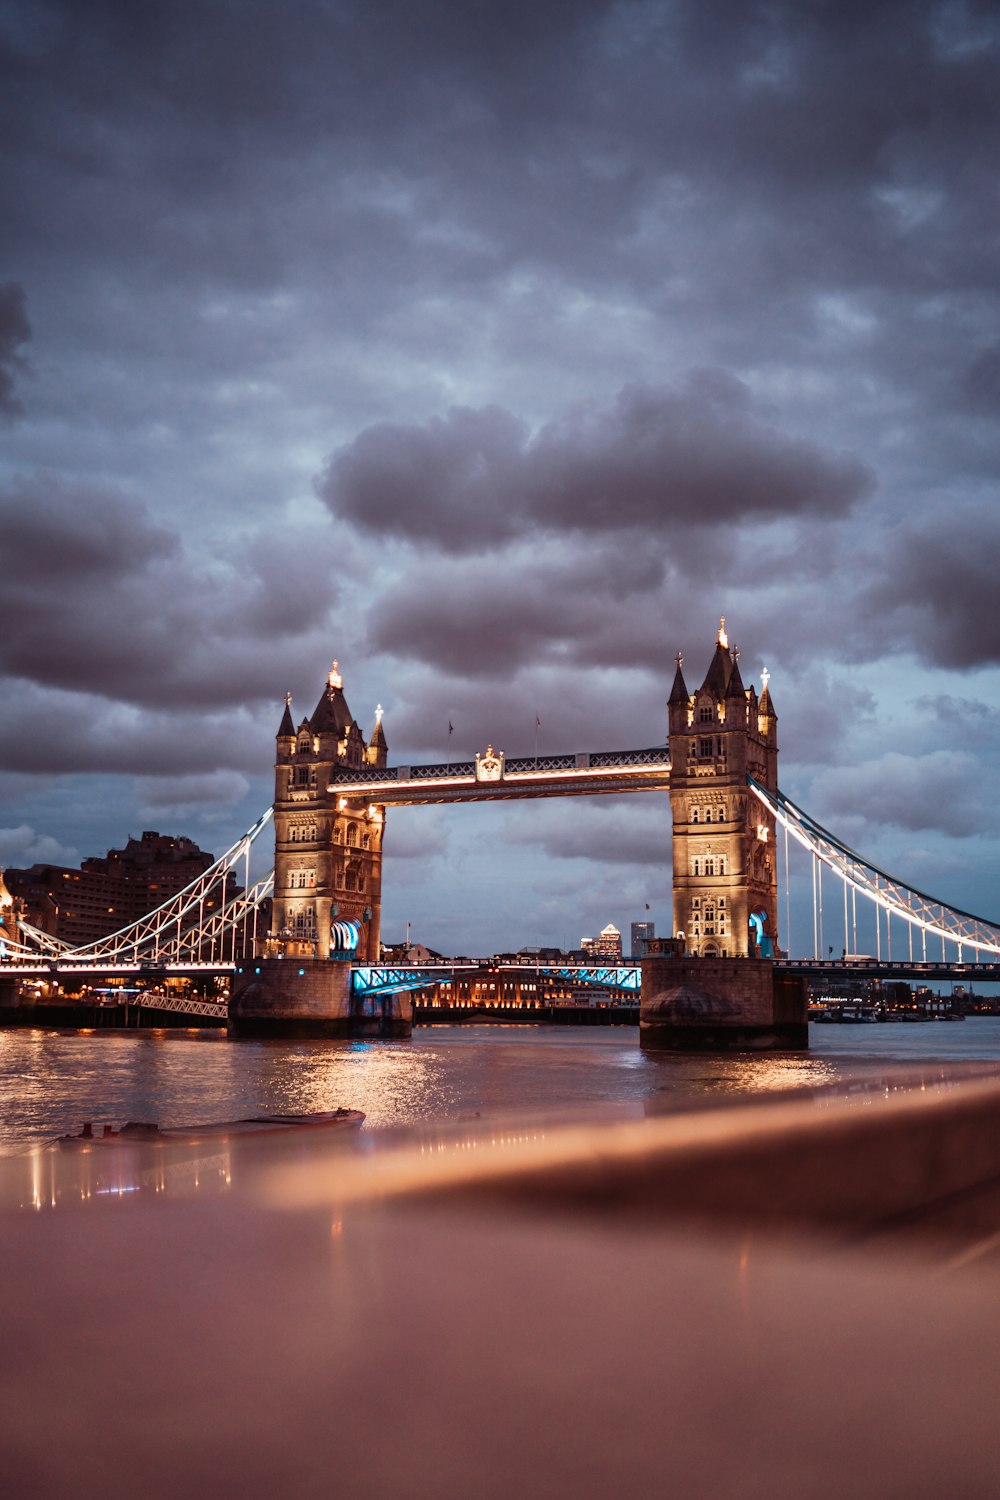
x=717, y=1004
x=327, y=849
x=724, y=859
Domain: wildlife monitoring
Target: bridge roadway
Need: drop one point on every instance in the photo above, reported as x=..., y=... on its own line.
x=492, y=778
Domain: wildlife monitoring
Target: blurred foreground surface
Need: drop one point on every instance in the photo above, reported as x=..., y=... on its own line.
x=788, y=1298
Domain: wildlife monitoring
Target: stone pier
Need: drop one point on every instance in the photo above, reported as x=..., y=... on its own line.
x=718, y=1004
x=308, y=998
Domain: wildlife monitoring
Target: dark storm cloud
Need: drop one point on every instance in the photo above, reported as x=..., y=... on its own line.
x=15, y=330
x=63, y=733
x=633, y=830
x=938, y=597
x=980, y=384
x=98, y=597
x=938, y=792
x=654, y=460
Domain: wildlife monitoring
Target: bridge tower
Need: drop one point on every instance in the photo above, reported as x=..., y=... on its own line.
x=327, y=850
x=725, y=875
x=327, y=885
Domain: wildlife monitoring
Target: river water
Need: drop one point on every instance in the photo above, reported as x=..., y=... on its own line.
x=50, y=1082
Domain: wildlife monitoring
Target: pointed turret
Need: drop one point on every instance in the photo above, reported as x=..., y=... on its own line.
x=679, y=692
x=717, y=678
x=736, y=688
x=378, y=748
x=332, y=715
x=766, y=705
x=286, y=727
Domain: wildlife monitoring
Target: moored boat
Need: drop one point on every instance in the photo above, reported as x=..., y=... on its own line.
x=141, y=1132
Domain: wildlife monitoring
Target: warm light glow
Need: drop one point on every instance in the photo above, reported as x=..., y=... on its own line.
x=723, y=637
x=335, y=680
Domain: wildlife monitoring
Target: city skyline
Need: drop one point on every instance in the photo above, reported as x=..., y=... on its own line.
x=498, y=356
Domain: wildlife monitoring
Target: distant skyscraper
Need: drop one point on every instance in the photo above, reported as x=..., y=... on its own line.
x=607, y=946
x=641, y=933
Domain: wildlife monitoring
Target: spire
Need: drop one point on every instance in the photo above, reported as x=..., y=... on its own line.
x=378, y=733
x=766, y=706
x=717, y=678
x=679, y=692
x=736, y=688
x=332, y=714
x=286, y=726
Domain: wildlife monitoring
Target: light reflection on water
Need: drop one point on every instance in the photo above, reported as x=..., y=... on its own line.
x=50, y=1082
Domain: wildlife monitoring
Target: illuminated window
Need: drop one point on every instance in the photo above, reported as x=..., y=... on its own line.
x=352, y=835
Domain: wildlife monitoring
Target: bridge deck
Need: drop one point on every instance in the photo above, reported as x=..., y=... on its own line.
x=575, y=775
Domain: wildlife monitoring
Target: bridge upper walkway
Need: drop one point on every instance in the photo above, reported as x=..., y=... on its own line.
x=493, y=777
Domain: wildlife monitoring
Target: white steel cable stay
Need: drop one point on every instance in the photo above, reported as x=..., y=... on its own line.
x=222, y=928
x=167, y=920
x=40, y=942
x=894, y=896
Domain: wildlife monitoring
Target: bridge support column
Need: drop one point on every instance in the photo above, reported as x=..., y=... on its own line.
x=307, y=998
x=692, y=1004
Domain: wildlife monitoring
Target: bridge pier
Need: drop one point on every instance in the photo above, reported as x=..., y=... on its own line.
x=309, y=998
x=691, y=1004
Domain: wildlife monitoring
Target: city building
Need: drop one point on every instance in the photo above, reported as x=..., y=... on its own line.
x=607, y=947
x=640, y=936
x=108, y=892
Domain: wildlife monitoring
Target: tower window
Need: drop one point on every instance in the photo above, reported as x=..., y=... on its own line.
x=695, y=814
x=352, y=835
x=303, y=777
x=708, y=815
x=705, y=748
x=705, y=714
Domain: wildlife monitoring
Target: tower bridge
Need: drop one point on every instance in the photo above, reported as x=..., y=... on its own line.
x=302, y=938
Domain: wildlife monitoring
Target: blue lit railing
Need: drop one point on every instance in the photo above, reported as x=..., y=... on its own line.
x=382, y=979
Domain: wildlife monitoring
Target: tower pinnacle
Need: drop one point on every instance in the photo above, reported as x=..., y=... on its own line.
x=334, y=679
x=723, y=637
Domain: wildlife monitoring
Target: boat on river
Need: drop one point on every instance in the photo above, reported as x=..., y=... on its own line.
x=141, y=1132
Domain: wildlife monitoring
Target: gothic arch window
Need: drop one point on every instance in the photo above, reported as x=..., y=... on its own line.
x=695, y=814
x=720, y=816
x=708, y=815
x=365, y=841
x=350, y=880
x=352, y=835
x=337, y=834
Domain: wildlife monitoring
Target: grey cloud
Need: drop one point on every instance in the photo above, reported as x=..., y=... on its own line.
x=634, y=830
x=980, y=385
x=15, y=330
x=937, y=792
x=939, y=597
x=654, y=460
x=218, y=788
x=22, y=846
x=96, y=596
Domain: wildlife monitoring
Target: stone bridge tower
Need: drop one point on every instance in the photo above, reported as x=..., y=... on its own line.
x=327, y=851
x=725, y=875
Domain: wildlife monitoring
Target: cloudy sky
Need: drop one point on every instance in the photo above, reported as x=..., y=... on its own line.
x=498, y=351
